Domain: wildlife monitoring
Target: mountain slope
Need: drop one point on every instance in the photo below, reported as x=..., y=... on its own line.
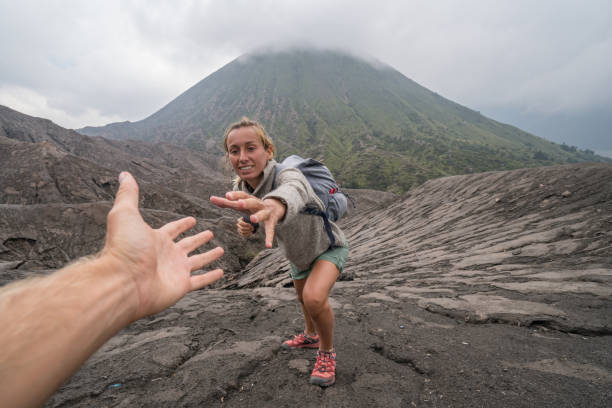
x=371, y=125
x=56, y=187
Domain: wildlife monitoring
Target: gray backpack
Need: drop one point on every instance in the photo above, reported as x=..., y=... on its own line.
x=324, y=186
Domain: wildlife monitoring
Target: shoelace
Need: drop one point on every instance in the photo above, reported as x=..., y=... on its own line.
x=325, y=362
x=304, y=337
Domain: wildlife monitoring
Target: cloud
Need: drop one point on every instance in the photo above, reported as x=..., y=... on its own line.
x=127, y=59
x=583, y=82
x=84, y=59
x=27, y=100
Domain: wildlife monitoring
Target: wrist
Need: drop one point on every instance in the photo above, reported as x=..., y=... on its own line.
x=111, y=274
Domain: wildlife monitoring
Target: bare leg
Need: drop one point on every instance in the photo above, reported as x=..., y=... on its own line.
x=299, y=289
x=315, y=292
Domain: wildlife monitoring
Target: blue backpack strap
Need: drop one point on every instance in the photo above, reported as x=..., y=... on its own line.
x=309, y=210
x=328, y=228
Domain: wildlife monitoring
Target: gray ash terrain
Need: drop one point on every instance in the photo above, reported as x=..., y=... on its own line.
x=56, y=187
x=482, y=290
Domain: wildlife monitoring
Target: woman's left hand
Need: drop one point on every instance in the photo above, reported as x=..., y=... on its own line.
x=269, y=211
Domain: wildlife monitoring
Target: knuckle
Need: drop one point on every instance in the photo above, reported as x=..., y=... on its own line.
x=115, y=211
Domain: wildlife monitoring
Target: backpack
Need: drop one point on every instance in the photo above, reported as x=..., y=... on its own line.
x=322, y=182
x=325, y=187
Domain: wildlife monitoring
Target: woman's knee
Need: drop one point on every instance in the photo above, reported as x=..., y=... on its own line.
x=313, y=300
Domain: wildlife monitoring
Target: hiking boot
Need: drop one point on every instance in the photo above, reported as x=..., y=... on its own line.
x=301, y=340
x=324, y=373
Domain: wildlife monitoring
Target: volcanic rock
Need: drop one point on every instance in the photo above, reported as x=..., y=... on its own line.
x=489, y=289
x=56, y=187
x=455, y=301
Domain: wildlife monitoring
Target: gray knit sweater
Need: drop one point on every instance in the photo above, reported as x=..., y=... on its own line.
x=302, y=237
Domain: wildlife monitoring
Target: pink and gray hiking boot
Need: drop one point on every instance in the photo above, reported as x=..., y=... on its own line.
x=301, y=340
x=324, y=373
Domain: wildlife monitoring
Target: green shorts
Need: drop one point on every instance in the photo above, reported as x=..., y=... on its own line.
x=335, y=255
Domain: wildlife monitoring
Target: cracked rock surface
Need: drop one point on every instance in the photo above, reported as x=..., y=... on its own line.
x=490, y=289
x=450, y=298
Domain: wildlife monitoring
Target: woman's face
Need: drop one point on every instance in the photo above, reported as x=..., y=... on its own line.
x=247, y=154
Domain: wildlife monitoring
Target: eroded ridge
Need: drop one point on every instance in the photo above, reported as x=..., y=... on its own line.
x=530, y=246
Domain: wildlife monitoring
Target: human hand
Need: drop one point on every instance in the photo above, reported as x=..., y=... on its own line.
x=244, y=228
x=268, y=211
x=160, y=268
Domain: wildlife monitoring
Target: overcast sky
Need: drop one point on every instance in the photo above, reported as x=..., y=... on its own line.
x=544, y=66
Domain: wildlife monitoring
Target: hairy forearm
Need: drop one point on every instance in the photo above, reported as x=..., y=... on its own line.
x=49, y=326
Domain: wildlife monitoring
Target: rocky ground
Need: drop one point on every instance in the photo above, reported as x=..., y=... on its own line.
x=484, y=290
x=221, y=348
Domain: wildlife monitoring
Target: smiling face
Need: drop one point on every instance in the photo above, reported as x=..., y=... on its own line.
x=247, y=154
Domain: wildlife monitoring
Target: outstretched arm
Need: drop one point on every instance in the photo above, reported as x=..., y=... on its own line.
x=269, y=211
x=51, y=325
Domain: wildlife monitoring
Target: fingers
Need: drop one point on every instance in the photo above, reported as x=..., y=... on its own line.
x=200, y=260
x=225, y=203
x=176, y=228
x=269, y=228
x=230, y=199
x=237, y=195
x=193, y=242
x=250, y=204
x=128, y=191
x=244, y=228
x=222, y=202
x=269, y=220
x=199, y=281
x=260, y=216
x=238, y=200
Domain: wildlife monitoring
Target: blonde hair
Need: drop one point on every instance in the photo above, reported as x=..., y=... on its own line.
x=259, y=130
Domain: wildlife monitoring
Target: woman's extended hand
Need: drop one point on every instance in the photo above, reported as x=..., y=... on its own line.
x=269, y=211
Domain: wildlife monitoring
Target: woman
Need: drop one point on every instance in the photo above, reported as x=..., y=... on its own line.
x=276, y=202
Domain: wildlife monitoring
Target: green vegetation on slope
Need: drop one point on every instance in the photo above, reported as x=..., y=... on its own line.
x=371, y=125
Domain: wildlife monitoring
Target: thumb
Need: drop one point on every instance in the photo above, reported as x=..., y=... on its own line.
x=128, y=191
